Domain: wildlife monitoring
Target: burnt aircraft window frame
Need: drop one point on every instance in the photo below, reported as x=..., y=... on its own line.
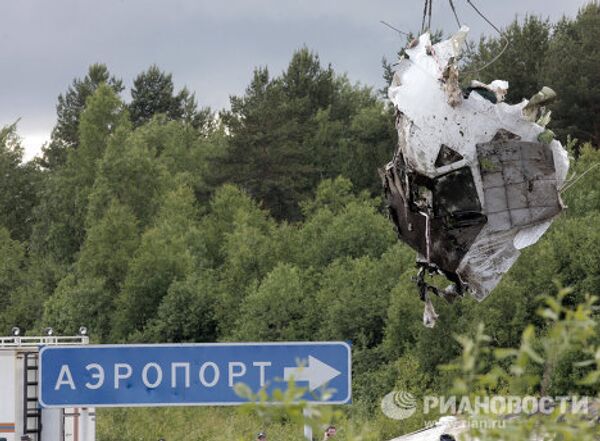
x=456, y=188
x=446, y=156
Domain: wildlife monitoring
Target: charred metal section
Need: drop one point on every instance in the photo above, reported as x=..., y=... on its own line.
x=447, y=156
x=438, y=217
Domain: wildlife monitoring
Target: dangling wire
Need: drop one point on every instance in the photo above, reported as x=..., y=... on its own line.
x=459, y=24
x=506, y=42
x=484, y=17
x=424, y=16
x=455, y=14
x=568, y=184
x=427, y=14
x=429, y=21
x=392, y=27
x=427, y=8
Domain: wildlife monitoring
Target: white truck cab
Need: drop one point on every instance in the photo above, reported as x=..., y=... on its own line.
x=21, y=415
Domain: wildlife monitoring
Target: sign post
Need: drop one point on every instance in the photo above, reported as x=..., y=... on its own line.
x=308, y=432
x=191, y=374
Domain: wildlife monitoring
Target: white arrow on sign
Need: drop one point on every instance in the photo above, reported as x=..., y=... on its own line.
x=316, y=373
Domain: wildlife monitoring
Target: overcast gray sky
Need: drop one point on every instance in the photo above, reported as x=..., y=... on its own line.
x=210, y=46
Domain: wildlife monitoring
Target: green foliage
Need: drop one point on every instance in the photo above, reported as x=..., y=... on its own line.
x=164, y=255
x=574, y=48
x=227, y=203
x=533, y=368
x=109, y=246
x=543, y=54
x=11, y=265
x=522, y=63
x=339, y=224
x=103, y=114
x=354, y=136
x=20, y=185
x=21, y=293
x=153, y=93
x=354, y=297
x=186, y=155
x=575, y=253
x=65, y=136
x=79, y=302
x=222, y=424
x=72, y=104
x=581, y=193
x=87, y=297
x=264, y=143
x=331, y=194
x=187, y=312
x=128, y=173
x=289, y=132
x=248, y=257
x=60, y=217
x=281, y=308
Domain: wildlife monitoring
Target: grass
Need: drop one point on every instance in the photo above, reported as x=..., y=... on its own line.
x=222, y=424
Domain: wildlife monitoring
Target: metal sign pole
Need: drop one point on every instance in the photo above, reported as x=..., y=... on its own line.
x=308, y=432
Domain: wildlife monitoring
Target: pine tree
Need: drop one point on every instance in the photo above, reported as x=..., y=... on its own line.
x=65, y=135
x=153, y=93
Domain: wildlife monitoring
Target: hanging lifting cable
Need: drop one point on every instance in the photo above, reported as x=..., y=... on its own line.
x=484, y=17
x=429, y=20
x=574, y=179
x=459, y=24
x=392, y=27
x=424, y=16
x=506, y=42
x=427, y=15
x=455, y=14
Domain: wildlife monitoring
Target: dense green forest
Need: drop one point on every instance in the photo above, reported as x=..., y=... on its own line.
x=153, y=219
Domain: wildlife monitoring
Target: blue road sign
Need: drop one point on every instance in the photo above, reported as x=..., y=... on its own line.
x=190, y=374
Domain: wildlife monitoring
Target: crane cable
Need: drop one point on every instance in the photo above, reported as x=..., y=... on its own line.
x=484, y=17
x=427, y=13
x=430, y=8
x=427, y=10
x=502, y=36
x=574, y=179
x=455, y=14
x=393, y=28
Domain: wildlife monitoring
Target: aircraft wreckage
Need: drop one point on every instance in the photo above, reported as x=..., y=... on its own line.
x=474, y=179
